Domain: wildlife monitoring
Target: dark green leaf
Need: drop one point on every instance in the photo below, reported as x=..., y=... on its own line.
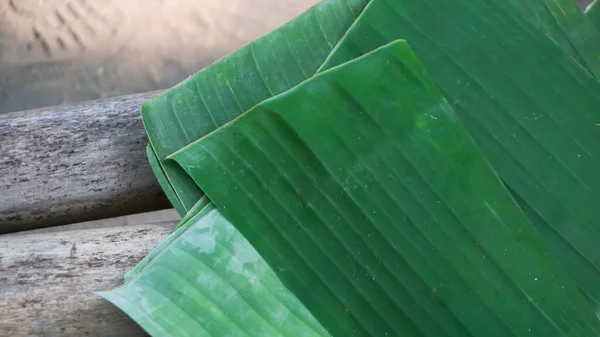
x=365, y=194
x=163, y=181
x=566, y=24
x=219, y=93
x=532, y=109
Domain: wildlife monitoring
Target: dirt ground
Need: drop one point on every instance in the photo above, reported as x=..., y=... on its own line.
x=59, y=51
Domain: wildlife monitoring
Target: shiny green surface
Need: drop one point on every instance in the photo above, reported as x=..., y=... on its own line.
x=563, y=22
x=198, y=207
x=379, y=212
x=386, y=219
x=579, y=32
x=163, y=181
x=219, y=287
x=291, y=54
x=197, y=212
x=219, y=93
x=593, y=14
x=532, y=110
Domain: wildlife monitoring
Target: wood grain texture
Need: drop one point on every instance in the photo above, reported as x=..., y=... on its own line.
x=46, y=279
x=75, y=163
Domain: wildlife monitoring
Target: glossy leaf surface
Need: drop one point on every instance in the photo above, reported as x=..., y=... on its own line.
x=219, y=287
x=593, y=14
x=219, y=93
x=531, y=108
x=163, y=181
x=368, y=198
x=282, y=59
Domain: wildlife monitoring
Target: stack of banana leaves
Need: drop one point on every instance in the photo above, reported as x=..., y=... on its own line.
x=383, y=168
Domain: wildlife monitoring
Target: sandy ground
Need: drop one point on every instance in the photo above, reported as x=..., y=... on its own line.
x=60, y=51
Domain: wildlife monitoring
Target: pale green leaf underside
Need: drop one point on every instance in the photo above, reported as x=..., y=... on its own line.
x=379, y=212
x=219, y=286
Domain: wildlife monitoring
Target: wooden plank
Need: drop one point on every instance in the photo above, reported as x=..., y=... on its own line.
x=75, y=163
x=46, y=279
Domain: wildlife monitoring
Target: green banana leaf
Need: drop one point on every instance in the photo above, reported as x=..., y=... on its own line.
x=163, y=181
x=532, y=110
x=199, y=207
x=593, y=14
x=214, y=96
x=219, y=287
x=291, y=54
x=513, y=113
x=485, y=102
x=365, y=194
x=565, y=23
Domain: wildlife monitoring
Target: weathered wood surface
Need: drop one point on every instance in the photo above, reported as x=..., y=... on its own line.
x=75, y=163
x=46, y=280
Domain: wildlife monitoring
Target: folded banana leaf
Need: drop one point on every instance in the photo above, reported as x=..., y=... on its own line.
x=521, y=116
x=202, y=208
x=219, y=93
x=520, y=76
x=392, y=220
x=163, y=181
x=532, y=110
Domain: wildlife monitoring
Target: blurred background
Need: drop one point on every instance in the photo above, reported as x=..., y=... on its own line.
x=63, y=51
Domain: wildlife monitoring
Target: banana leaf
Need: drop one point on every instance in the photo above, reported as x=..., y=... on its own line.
x=368, y=198
x=164, y=183
x=555, y=41
x=267, y=66
x=291, y=54
x=532, y=110
x=199, y=207
x=194, y=215
x=521, y=116
x=219, y=287
x=565, y=23
x=593, y=14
